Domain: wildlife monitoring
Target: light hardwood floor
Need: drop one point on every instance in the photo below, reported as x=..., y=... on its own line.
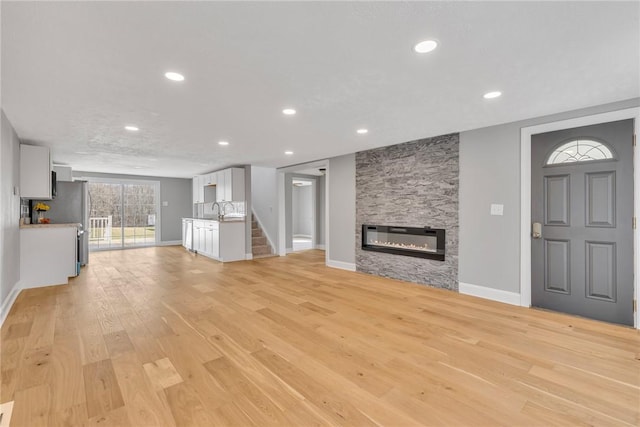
x=158, y=336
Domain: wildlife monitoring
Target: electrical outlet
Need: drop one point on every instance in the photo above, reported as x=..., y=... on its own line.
x=497, y=209
x=165, y=203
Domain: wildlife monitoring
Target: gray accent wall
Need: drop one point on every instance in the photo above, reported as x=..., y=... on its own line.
x=177, y=191
x=9, y=210
x=490, y=173
x=413, y=184
x=341, y=185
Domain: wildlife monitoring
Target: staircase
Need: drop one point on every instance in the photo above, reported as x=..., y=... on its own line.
x=260, y=247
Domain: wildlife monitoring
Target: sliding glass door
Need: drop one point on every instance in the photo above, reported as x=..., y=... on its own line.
x=123, y=214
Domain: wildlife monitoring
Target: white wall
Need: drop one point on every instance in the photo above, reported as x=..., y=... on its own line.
x=302, y=210
x=9, y=215
x=341, y=184
x=264, y=200
x=490, y=173
x=178, y=192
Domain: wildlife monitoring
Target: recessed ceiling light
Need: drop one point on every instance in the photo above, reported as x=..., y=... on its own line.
x=288, y=153
x=81, y=152
x=362, y=131
x=172, y=75
x=223, y=143
x=288, y=111
x=425, y=46
x=491, y=95
x=132, y=128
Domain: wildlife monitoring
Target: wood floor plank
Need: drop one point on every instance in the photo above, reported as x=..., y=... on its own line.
x=31, y=407
x=158, y=336
x=101, y=388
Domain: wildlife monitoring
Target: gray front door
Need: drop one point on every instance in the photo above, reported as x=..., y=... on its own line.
x=582, y=197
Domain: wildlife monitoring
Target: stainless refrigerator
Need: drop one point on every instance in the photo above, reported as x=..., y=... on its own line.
x=71, y=205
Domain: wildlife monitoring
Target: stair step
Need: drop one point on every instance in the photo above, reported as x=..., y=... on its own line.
x=258, y=241
x=261, y=250
x=256, y=233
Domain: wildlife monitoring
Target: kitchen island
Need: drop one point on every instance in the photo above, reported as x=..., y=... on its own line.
x=48, y=254
x=222, y=240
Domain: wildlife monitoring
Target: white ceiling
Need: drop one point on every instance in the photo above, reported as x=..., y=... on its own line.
x=74, y=74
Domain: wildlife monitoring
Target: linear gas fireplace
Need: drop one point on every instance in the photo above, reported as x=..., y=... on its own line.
x=410, y=241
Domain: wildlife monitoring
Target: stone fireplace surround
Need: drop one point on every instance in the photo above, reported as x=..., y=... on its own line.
x=413, y=184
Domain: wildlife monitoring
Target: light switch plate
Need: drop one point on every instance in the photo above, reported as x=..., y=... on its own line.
x=165, y=203
x=497, y=209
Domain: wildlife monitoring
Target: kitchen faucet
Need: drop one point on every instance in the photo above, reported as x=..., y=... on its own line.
x=221, y=208
x=224, y=205
x=213, y=205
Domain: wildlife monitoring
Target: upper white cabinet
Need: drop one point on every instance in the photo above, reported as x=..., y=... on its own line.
x=209, y=179
x=230, y=186
x=221, y=186
x=198, y=189
x=35, y=172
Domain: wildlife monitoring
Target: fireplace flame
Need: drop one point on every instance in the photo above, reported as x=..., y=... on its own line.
x=410, y=246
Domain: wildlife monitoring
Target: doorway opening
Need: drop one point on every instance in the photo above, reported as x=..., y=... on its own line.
x=123, y=214
x=303, y=218
x=303, y=206
x=591, y=249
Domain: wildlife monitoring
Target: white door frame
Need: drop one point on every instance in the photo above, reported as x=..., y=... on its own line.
x=525, y=192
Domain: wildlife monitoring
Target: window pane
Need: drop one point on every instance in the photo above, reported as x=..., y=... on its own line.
x=580, y=150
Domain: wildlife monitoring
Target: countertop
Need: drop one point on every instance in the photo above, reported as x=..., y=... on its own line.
x=232, y=219
x=74, y=225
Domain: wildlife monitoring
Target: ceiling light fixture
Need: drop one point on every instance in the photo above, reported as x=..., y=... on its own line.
x=288, y=111
x=491, y=95
x=172, y=75
x=425, y=46
x=223, y=143
x=288, y=153
x=362, y=131
x=132, y=128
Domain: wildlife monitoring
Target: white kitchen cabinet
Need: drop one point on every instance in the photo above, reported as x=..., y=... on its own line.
x=198, y=189
x=208, y=241
x=48, y=254
x=35, y=172
x=215, y=243
x=222, y=241
x=220, y=186
x=230, y=185
x=210, y=179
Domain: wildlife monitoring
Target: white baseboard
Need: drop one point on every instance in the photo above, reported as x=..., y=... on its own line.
x=248, y=256
x=321, y=247
x=170, y=243
x=302, y=236
x=289, y=250
x=506, y=297
x=8, y=302
x=341, y=265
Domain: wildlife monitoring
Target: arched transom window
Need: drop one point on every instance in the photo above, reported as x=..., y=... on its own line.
x=579, y=150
